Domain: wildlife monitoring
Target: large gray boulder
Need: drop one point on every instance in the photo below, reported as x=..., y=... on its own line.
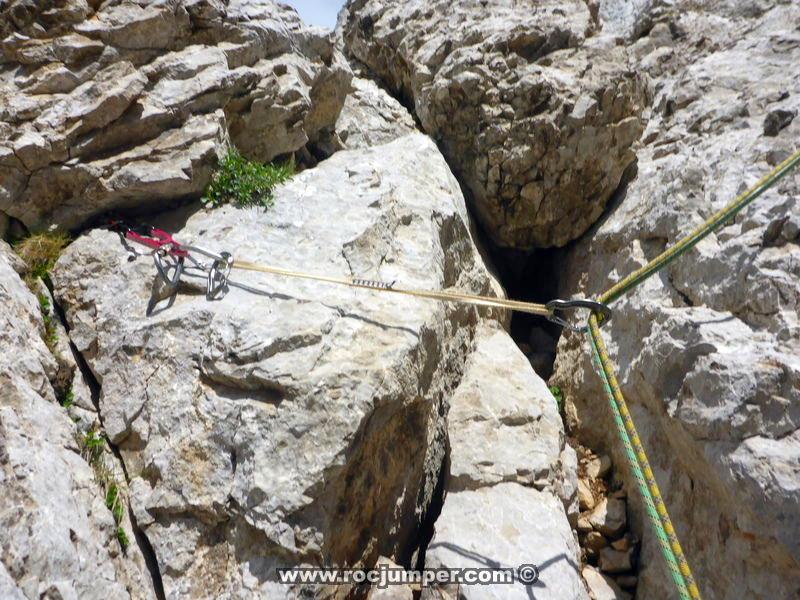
x=503, y=421
x=510, y=490
x=535, y=120
x=59, y=539
x=129, y=104
x=708, y=349
x=305, y=425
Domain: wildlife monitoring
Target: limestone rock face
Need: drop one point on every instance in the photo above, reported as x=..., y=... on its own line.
x=129, y=103
x=608, y=517
x=23, y=328
x=507, y=525
x=390, y=592
x=503, y=421
x=506, y=501
x=535, y=120
x=303, y=425
x=602, y=587
x=708, y=349
x=58, y=536
x=370, y=116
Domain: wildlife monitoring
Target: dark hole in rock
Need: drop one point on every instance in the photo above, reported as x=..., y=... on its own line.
x=531, y=276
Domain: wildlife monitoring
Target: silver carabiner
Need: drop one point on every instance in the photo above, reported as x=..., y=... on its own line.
x=204, y=252
x=560, y=305
x=218, y=274
x=164, y=268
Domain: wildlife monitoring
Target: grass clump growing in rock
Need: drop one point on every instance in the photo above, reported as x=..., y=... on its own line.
x=93, y=446
x=122, y=538
x=117, y=508
x=245, y=183
x=50, y=330
x=40, y=251
x=68, y=398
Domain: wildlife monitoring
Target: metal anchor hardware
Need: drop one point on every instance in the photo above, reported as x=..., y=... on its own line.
x=556, y=306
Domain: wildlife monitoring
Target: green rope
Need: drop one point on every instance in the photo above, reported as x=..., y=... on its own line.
x=650, y=509
x=641, y=458
x=713, y=223
x=637, y=458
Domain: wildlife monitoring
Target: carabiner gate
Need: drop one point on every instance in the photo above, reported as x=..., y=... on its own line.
x=164, y=267
x=217, y=285
x=561, y=305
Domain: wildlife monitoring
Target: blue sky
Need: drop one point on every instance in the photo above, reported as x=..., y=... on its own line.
x=317, y=12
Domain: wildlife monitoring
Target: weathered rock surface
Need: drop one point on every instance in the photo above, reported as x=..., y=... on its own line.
x=595, y=541
x=390, y=592
x=535, y=120
x=370, y=117
x=598, y=466
x=508, y=525
x=23, y=328
x=129, y=103
x=602, y=587
x=58, y=536
x=608, y=517
x=505, y=499
x=309, y=425
x=615, y=561
x=708, y=349
x=586, y=499
x=305, y=425
x=503, y=422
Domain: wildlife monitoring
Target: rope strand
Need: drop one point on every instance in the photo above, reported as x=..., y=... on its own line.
x=709, y=226
x=637, y=458
x=649, y=506
x=517, y=305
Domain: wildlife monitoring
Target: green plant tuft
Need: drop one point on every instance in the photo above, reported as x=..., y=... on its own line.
x=122, y=538
x=245, y=183
x=68, y=399
x=50, y=330
x=558, y=395
x=92, y=445
x=114, y=502
x=40, y=252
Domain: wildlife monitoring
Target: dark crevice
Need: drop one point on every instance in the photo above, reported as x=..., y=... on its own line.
x=428, y=525
x=266, y=392
x=151, y=562
x=534, y=276
x=11, y=229
x=184, y=206
x=531, y=276
x=399, y=92
x=682, y=295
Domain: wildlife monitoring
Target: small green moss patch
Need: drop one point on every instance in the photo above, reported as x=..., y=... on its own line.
x=558, y=395
x=122, y=538
x=68, y=399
